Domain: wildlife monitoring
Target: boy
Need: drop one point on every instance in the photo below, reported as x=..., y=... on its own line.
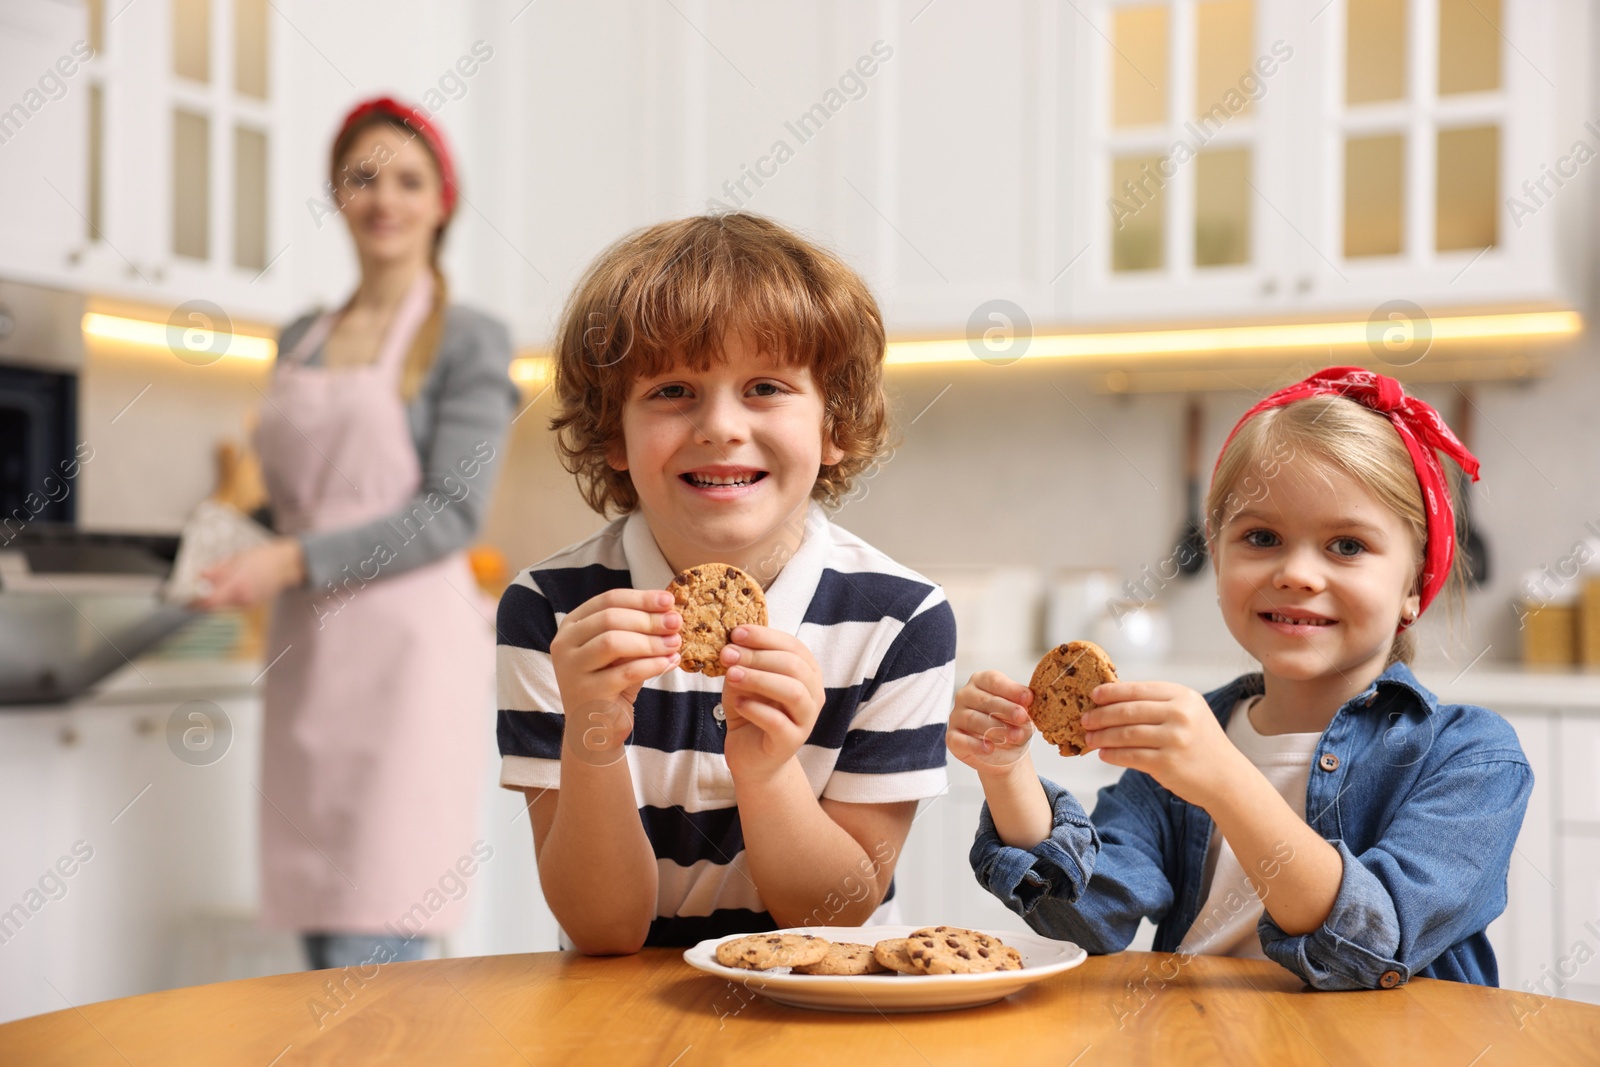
x=717, y=380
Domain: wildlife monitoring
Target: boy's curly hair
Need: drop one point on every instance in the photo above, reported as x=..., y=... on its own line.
x=668, y=295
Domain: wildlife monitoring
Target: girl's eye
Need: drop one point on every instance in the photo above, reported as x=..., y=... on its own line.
x=670, y=392
x=1347, y=546
x=1261, y=538
x=767, y=389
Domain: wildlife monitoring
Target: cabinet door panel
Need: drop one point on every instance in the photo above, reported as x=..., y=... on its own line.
x=1580, y=780
x=39, y=833
x=44, y=123
x=1573, y=968
x=1524, y=935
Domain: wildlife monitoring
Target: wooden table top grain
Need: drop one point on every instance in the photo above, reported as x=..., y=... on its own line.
x=653, y=1009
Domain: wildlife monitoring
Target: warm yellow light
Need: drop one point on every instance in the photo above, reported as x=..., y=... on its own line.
x=156, y=335
x=1547, y=325
x=530, y=370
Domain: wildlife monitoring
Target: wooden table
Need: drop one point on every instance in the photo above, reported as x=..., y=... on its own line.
x=553, y=1007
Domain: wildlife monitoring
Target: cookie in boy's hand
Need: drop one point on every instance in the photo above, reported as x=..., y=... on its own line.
x=762, y=952
x=713, y=599
x=1061, y=686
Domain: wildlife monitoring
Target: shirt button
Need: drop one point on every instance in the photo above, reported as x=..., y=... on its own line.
x=718, y=714
x=1390, y=979
x=1328, y=762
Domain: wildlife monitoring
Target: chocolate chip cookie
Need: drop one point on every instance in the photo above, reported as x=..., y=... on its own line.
x=844, y=958
x=1061, y=686
x=953, y=950
x=762, y=952
x=891, y=954
x=713, y=599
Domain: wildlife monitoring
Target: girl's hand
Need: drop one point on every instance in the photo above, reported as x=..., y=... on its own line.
x=989, y=726
x=1166, y=730
x=771, y=697
x=603, y=652
x=257, y=574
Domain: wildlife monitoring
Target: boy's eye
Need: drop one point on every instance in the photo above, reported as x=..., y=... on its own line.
x=1260, y=538
x=669, y=392
x=767, y=389
x=1347, y=546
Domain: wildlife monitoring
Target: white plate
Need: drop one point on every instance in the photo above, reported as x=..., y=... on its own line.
x=1041, y=958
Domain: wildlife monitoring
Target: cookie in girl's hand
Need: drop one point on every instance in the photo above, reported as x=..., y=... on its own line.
x=1061, y=686
x=713, y=599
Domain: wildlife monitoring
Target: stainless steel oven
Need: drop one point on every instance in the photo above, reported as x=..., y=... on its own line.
x=75, y=604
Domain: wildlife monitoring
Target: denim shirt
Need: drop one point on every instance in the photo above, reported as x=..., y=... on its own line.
x=1423, y=801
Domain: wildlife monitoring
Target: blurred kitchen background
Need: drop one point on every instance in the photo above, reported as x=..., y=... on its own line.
x=1098, y=230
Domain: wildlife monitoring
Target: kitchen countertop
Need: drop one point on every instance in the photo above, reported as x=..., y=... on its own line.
x=160, y=681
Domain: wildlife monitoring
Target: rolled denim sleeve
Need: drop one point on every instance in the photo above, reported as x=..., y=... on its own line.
x=1437, y=875
x=1093, y=879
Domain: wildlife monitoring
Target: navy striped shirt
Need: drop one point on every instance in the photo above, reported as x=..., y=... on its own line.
x=883, y=635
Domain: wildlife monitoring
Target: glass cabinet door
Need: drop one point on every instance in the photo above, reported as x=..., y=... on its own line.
x=1181, y=198
x=1431, y=106
x=1284, y=158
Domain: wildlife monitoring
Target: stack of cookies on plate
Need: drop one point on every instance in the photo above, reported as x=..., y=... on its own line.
x=930, y=950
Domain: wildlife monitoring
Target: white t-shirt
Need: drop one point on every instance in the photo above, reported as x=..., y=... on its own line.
x=1226, y=925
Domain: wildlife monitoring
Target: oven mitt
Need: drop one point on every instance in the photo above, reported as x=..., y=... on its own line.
x=213, y=532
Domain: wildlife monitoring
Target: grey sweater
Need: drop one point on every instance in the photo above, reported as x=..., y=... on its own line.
x=458, y=423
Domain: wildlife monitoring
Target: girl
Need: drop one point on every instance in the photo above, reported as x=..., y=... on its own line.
x=378, y=442
x=1364, y=830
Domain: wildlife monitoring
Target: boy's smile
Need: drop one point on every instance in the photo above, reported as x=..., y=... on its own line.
x=724, y=459
x=1313, y=579
x=721, y=481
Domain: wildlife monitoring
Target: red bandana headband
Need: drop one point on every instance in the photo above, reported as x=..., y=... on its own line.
x=1424, y=434
x=417, y=119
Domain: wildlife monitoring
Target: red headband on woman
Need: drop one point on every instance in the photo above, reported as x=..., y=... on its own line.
x=1422, y=431
x=416, y=119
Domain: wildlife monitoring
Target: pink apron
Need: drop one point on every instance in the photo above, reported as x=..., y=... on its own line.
x=375, y=717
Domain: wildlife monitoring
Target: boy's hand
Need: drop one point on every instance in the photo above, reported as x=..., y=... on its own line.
x=989, y=726
x=603, y=652
x=772, y=696
x=1166, y=730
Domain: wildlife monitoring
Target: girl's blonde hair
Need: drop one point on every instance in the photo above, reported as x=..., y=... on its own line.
x=1339, y=433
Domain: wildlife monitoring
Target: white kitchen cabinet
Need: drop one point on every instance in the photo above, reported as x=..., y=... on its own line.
x=1524, y=936
x=170, y=844
x=151, y=179
x=1580, y=771
x=979, y=161
x=1441, y=116
x=45, y=88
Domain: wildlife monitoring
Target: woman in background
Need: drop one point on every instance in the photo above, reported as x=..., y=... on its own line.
x=379, y=442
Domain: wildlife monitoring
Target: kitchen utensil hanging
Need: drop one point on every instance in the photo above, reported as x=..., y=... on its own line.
x=1474, y=549
x=1191, y=550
